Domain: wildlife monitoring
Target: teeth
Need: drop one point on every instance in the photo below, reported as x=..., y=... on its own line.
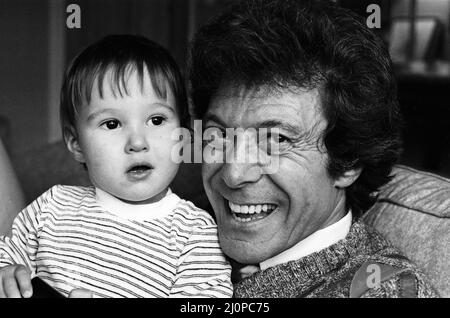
x=251, y=208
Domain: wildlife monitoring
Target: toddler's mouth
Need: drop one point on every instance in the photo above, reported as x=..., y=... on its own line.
x=139, y=168
x=139, y=171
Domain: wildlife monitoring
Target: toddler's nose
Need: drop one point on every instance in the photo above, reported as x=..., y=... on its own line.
x=136, y=143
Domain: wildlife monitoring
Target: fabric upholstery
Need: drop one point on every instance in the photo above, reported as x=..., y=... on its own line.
x=413, y=212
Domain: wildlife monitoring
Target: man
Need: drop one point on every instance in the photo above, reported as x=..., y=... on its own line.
x=324, y=81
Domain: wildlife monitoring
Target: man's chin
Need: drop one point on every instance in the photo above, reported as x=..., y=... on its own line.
x=243, y=252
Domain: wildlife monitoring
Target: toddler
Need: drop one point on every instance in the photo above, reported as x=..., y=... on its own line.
x=127, y=235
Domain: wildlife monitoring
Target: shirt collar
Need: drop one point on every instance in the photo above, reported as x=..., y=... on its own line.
x=138, y=212
x=313, y=243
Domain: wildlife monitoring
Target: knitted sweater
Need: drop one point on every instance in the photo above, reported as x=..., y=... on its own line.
x=329, y=272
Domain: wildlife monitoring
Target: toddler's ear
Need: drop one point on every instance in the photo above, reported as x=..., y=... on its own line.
x=74, y=147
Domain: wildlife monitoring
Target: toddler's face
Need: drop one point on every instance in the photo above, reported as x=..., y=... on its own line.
x=126, y=141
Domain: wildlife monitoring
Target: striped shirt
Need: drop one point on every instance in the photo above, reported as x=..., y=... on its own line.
x=66, y=238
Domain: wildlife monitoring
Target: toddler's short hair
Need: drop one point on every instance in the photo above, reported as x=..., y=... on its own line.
x=119, y=54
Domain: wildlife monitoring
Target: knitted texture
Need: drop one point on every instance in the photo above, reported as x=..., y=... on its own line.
x=329, y=272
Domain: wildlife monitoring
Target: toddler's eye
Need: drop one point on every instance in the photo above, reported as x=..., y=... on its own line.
x=157, y=120
x=111, y=124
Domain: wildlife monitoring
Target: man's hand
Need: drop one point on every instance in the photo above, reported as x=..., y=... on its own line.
x=15, y=282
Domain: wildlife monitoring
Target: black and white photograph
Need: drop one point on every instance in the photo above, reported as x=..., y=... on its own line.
x=235, y=150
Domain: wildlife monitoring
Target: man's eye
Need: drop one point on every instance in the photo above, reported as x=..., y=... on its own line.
x=277, y=138
x=281, y=138
x=157, y=120
x=274, y=143
x=111, y=124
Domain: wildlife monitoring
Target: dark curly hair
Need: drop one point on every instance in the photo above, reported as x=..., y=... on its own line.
x=310, y=44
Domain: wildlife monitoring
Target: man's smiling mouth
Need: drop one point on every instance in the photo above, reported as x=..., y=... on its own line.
x=250, y=212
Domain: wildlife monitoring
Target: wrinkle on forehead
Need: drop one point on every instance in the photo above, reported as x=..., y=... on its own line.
x=261, y=92
x=305, y=103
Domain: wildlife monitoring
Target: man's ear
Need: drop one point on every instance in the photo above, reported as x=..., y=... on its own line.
x=73, y=145
x=347, y=178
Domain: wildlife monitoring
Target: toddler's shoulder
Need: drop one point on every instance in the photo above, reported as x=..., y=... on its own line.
x=70, y=190
x=190, y=212
x=65, y=193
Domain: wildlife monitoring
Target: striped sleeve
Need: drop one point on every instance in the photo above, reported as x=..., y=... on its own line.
x=21, y=247
x=203, y=270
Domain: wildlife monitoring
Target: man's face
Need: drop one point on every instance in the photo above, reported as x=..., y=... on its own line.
x=260, y=215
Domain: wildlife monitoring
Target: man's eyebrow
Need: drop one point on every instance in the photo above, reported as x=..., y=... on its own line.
x=274, y=123
x=214, y=118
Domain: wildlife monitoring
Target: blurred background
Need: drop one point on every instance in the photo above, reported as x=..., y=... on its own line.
x=37, y=45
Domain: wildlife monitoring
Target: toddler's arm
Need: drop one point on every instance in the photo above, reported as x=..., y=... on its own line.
x=203, y=269
x=17, y=253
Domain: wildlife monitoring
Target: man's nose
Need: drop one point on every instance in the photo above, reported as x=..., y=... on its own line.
x=242, y=167
x=137, y=142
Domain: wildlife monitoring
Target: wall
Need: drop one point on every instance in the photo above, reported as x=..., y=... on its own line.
x=163, y=21
x=23, y=71
x=436, y=8
x=36, y=47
